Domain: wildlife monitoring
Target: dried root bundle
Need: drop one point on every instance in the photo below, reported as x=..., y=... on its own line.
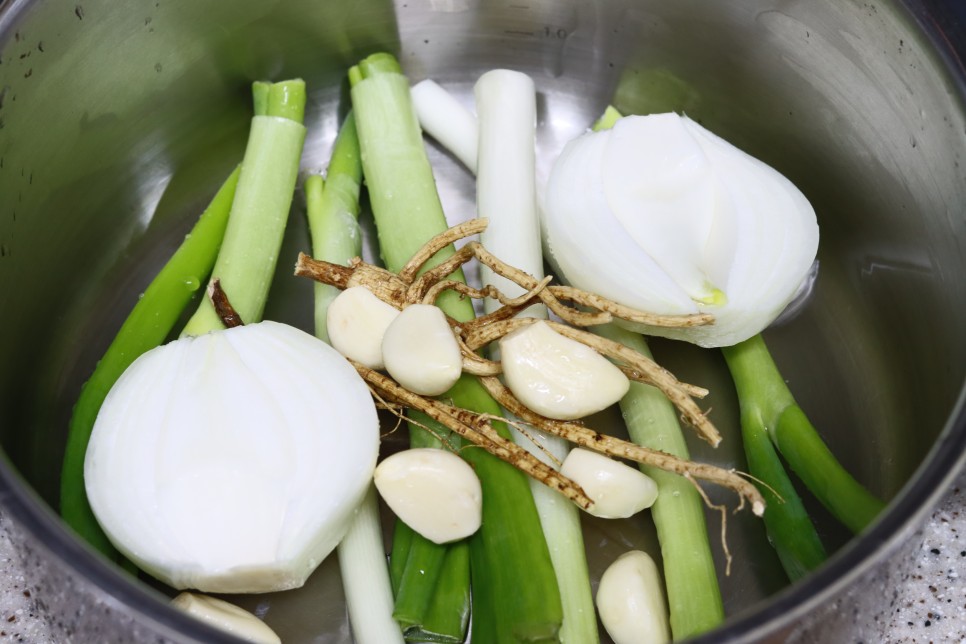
x=576, y=309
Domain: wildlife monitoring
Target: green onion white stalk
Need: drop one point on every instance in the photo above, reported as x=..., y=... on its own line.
x=406, y=206
x=446, y=119
x=332, y=206
x=514, y=587
x=365, y=579
x=506, y=107
x=259, y=212
x=505, y=136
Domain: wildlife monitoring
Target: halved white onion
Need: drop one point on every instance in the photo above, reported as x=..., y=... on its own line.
x=233, y=461
x=662, y=215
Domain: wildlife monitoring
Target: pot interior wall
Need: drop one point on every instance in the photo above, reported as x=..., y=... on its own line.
x=117, y=124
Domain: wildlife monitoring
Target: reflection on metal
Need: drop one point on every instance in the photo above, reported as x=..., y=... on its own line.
x=802, y=296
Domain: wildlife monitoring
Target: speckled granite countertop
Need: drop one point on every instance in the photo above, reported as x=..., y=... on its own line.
x=931, y=601
x=928, y=604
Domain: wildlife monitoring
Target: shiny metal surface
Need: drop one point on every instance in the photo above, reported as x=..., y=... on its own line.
x=117, y=123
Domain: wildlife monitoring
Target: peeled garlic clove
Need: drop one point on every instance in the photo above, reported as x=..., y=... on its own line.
x=226, y=616
x=556, y=376
x=433, y=491
x=421, y=352
x=233, y=461
x=356, y=323
x=630, y=601
x=617, y=490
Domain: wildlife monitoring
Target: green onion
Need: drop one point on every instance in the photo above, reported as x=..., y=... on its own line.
x=504, y=137
x=453, y=583
x=332, y=206
x=430, y=583
x=148, y=325
x=765, y=397
x=789, y=528
x=333, y=214
x=694, y=598
x=396, y=145
x=259, y=212
x=607, y=120
x=506, y=195
x=515, y=593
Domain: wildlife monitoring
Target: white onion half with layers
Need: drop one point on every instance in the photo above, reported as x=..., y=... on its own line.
x=675, y=220
x=233, y=461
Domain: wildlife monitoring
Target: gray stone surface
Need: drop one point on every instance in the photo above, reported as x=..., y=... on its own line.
x=923, y=602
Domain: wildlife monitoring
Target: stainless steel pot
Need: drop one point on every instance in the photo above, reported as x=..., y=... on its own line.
x=118, y=121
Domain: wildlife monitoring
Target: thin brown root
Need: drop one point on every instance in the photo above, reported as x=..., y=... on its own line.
x=473, y=428
x=606, y=308
x=658, y=376
x=400, y=420
x=433, y=293
x=477, y=366
x=324, y=272
x=223, y=308
x=438, y=243
x=478, y=336
x=416, y=289
x=638, y=376
x=583, y=298
x=763, y=484
x=724, y=524
x=505, y=312
x=526, y=281
x=401, y=417
x=527, y=297
x=383, y=284
x=585, y=437
x=525, y=429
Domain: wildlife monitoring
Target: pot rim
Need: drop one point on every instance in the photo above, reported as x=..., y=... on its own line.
x=905, y=513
